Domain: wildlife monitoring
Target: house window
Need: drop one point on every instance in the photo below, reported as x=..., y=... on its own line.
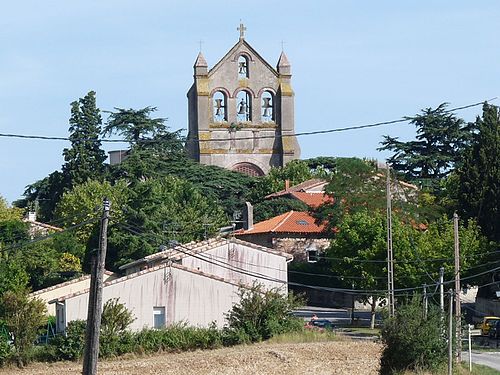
x=312, y=256
x=159, y=317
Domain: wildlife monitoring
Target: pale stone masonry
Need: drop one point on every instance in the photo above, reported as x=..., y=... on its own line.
x=241, y=112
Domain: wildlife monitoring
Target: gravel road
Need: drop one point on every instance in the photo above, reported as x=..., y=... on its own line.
x=337, y=357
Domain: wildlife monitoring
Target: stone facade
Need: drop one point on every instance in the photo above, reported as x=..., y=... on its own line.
x=241, y=112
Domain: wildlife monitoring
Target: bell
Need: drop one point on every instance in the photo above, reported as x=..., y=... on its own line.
x=267, y=107
x=218, y=107
x=243, y=68
x=243, y=108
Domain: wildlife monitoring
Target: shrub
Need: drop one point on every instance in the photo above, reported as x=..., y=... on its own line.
x=22, y=316
x=5, y=350
x=115, y=339
x=412, y=341
x=69, y=346
x=262, y=314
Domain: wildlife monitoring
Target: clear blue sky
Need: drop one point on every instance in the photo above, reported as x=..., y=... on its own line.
x=353, y=62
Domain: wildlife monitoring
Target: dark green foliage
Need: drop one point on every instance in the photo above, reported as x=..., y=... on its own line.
x=13, y=276
x=116, y=318
x=43, y=195
x=84, y=159
x=412, y=341
x=23, y=316
x=441, y=137
x=5, y=346
x=273, y=207
x=262, y=314
x=159, y=210
x=478, y=185
x=69, y=346
x=135, y=125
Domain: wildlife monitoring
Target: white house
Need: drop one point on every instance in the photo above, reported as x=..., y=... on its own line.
x=65, y=288
x=195, y=283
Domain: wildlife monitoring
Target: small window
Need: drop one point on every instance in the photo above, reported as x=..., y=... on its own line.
x=302, y=222
x=312, y=256
x=158, y=317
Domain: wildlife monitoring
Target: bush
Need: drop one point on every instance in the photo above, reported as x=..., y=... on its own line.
x=69, y=346
x=22, y=316
x=5, y=350
x=262, y=314
x=413, y=342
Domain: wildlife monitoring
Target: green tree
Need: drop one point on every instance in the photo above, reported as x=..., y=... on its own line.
x=479, y=175
x=441, y=137
x=9, y=213
x=85, y=158
x=84, y=202
x=135, y=125
x=22, y=316
x=158, y=210
x=269, y=208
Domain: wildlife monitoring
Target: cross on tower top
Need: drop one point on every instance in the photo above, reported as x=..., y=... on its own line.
x=242, y=30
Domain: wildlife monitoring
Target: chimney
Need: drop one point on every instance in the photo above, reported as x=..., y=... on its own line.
x=248, y=217
x=287, y=185
x=31, y=216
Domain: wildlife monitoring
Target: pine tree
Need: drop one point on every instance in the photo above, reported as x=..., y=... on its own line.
x=440, y=138
x=479, y=175
x=85, y=159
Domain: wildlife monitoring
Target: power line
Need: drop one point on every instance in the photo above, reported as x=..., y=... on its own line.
x=194, y=139
x=202, y=257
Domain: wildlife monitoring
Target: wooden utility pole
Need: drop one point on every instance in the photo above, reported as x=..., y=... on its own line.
x=390, y=256
x=450, y=334
x=458, y=310
x=426, y=302
x=441, y=289
x=91, y=352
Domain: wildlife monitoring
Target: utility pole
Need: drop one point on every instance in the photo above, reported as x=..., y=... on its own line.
x=94, y=315
x=458, y=312
x=426, y=302
x=450, y=334
x=441, y=289
x=390, y=259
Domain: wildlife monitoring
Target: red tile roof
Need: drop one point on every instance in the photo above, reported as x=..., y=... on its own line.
x=303, y=187
x=313, y=200
x=290, y=222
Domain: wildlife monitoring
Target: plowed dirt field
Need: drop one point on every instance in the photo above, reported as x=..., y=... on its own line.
x=336, y=357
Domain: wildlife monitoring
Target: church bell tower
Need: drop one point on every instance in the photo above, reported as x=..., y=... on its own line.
x=241, y=112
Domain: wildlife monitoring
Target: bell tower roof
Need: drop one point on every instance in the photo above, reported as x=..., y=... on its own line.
x=200, y=61
x=283, y=65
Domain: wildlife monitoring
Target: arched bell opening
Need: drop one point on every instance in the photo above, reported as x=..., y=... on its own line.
x=243, y=71
x=249, y=169
x=219, y=102
x=244, y=106
x=267, y=107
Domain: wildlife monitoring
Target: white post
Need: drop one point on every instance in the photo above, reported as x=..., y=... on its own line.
x=470, y=348
x=441, y=289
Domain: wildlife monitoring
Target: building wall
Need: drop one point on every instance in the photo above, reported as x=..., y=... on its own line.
x=260, y=266
x=63, y=289
x=295, y=245
x=187, y=297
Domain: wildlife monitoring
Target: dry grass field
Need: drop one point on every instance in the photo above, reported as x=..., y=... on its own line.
x=333, y=357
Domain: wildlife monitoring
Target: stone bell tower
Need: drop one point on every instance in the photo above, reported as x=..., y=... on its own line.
x=241, y=112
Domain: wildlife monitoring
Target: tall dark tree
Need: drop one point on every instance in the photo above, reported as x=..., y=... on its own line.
x=441, y=137
x=135, y=125
x=479, y=175
x=85, y=158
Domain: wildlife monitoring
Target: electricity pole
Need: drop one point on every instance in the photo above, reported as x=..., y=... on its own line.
x=458, y=312
x=441, y=289
x=390, y=259
x=91, y=352
x=450, y=334
x=426, y=302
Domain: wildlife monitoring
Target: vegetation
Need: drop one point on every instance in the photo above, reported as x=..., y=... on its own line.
x=261, y=314
x=22, y=317
x=413, y=340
